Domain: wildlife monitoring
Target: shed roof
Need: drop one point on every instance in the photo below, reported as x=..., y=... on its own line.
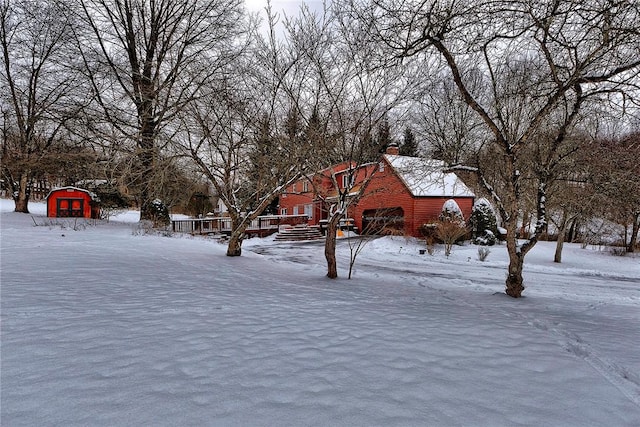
x=426, y=177
x=93, y=196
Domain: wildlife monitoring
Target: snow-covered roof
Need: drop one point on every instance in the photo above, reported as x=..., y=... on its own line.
x=91, y=194
x=425, y=178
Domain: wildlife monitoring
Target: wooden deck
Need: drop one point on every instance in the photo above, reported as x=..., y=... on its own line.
x=261, y=226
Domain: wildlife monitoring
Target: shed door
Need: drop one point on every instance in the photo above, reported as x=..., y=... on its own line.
x=69, y=208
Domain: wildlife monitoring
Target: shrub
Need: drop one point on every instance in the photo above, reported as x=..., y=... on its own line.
x=449, y=232
x=159, y=213
x=486, y=239
x=483, y=253
x=428, y=231
x=618, y=251
x=484, y=228
x=451, y=212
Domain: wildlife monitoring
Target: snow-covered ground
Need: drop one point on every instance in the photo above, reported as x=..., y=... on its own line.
x=104, y=326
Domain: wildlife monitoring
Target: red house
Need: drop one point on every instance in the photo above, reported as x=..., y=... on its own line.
x=72, y=202
x=402, y=194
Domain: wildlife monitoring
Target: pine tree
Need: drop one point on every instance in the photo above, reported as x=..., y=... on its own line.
x=384, y=133
x=484, y=228
x=158, y=213
x=451, y=212
x=409, y=145
x=375, y=145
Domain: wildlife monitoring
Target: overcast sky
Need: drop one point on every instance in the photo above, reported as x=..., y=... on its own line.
x=288, y=6
x=281, y=7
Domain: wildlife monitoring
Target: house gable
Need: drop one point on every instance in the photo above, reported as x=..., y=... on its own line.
x=425, y=178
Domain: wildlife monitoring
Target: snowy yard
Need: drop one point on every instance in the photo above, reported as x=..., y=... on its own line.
x=102, y=327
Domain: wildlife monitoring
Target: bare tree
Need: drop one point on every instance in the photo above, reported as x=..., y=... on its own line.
x=570, y=198
x=451, y=130
x=225, y=143
x=384, y=222
x=244, y=131
x=146, y=60
x=613, y=172
x=542, y=62
x=352, y=95
x=42, y=91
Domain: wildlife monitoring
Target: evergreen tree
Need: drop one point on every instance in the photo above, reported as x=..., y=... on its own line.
x=484, y=227
x=263, y=149
x=372, y=146
x=158, y=212
x=384, y=134
x=409, y=146
x=451, y=212
x=383, y=138
x=315, y=140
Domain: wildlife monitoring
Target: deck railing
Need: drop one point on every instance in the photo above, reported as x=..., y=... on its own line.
x=262, y=225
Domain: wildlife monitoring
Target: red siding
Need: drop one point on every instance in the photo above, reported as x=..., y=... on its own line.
x=428, y=209
x=295, y=197
x=385, y=191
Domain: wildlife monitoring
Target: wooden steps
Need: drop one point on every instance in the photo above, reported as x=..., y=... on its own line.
x=299, y=232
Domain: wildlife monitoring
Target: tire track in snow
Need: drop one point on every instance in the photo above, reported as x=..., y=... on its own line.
x=627, y=382
x=621, y=377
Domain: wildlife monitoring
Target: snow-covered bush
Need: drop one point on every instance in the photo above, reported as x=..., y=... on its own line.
x=159, y=213
x=112, y=200
x=449, y=231
x=484, y=227
x=483, y=253
x=486, y=239
x=450, y=227
x=451, y=212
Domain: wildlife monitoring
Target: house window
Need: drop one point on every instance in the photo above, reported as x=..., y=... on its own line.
x=69, y=207
x=381, y=167
x=293, y=188
x=347, y=181
x=305, y=186
x=295, y=210
x=283, y=211
x=308, y=211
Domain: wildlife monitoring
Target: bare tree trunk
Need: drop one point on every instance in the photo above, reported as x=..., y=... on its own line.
x=514, y=282
x=235, y=243
x=352, y=262
x=557, y=257
x=330, y=247
x=147, y=170
x=634, y=233
x=22, y=198
x=573, y=230
x=147, y=141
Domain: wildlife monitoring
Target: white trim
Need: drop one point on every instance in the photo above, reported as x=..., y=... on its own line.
x=308, y=210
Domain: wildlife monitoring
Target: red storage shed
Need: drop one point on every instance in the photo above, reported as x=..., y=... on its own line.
x=72, y=202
